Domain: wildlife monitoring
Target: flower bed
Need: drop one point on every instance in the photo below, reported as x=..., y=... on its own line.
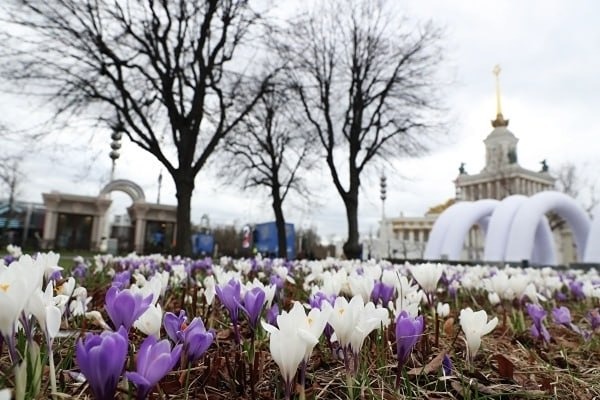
x=176, y=328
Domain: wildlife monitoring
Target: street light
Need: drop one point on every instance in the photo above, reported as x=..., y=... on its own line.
x=115, y=145
x=383, y=196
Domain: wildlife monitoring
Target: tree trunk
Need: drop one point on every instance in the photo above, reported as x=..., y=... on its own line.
x=280, y=223
x=184, y=185
x=352, y=248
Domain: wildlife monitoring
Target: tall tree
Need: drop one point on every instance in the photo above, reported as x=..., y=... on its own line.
x=366, y=82
x=164, y=72
x=270, y=150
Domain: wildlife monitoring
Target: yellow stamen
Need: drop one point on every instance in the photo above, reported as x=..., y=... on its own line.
x=4, y=287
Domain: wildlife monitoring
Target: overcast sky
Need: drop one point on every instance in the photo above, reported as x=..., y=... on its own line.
x=549, y=52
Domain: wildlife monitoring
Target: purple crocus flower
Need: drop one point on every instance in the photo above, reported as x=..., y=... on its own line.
x=230, y=295
x=173, y=325
x=276, y=280
x=101, y=359
x=560, y=296
x=317, y=300
x=122, y=279
x=447, y=365
x=538, y=329
x=408, y=333
x=562, y=316
x=594, y=318
x=272, y=314
x=124, y=307
x=196, y=339
x=576, y=288
x=154, y=361
x=382, y=292
x=254, y=300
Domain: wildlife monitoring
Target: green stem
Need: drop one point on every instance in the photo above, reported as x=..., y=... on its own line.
x=187, y=380
x=350, y=385
x=52, y=369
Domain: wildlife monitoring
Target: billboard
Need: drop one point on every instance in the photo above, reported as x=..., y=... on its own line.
x=265, y=239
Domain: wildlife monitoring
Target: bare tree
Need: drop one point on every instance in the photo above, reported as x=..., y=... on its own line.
x=577, y=183
x=162, y=72
x=270, y=151
x=366, y=83
x=11, y=177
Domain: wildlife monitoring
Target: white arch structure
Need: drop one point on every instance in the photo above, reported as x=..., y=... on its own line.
x=478, y=212
x=516, y=229
x=523, y=229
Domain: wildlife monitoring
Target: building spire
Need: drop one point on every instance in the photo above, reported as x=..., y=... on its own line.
x=499, y=121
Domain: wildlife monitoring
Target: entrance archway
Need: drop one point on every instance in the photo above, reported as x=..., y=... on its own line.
x=126, y=186
x=145, y=217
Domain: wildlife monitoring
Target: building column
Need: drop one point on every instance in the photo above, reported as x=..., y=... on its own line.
x=50, y=221
x=140, y=231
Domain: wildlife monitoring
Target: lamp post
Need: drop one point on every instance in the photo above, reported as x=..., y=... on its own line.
x=115, y=145
x=383, y=195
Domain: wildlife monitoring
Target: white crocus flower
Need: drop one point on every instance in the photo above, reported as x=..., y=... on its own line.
x=150, y=321
x=80, y=301
x=5, y=394
x=96, y=318
x=164, y=282
x=409, y=303
x=361, y=285
x=43, y=307
x=288, y=343
x=475, y=325
x=148, y=287
x=14, y=293
x=370, y=318
x=179, y=274
x=343, y=318
x=67, y=288
x=493, y=298
x=14, y=251
x=499, y=284
x=209, y=289
x=314, y=325
x=427, y=276
x=443, y=309
x=48, y=263
x=353, y=321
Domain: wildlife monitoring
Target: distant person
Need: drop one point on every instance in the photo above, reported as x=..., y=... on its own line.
x=159, y=239
x=103, y=245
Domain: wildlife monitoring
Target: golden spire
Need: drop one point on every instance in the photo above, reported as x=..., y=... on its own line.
x=499, y=121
